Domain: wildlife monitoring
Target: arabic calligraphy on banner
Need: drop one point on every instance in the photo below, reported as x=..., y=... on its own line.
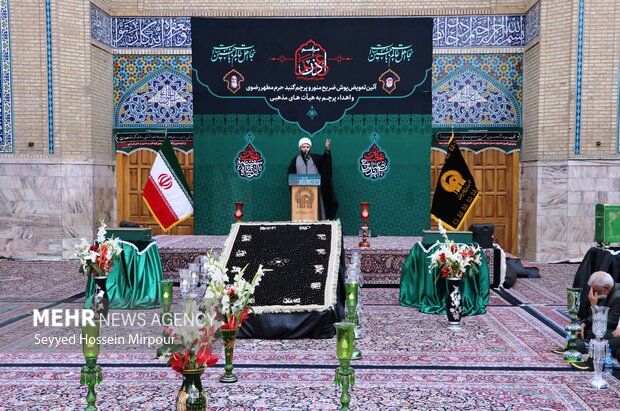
x=476, y=141
x=324, y=94
x=390, y=54
x=152, y=139
x=233, y=54
x=316, y=71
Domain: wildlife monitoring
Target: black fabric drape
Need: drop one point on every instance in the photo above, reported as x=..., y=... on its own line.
x=596, y=259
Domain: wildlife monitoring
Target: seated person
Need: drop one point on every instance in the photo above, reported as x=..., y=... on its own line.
x=603, y=292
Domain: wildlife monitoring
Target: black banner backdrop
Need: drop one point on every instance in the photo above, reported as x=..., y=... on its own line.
x=262, y=83
x=290, y=65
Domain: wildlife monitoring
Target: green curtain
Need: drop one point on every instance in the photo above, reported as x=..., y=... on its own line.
x=420, y=288
x=134, y=281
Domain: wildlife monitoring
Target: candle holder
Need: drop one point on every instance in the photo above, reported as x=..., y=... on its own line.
x=598, y=351
x=345, y=374
x=91, y=373
x=598, y=346
x=238, y=210
x=184, y=282
x=364, y=230
x=352, y=296
x=166, y=294
x=573, y=296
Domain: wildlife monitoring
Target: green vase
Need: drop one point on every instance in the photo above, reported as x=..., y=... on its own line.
x=572, y=303
x=191, y=396
x=229, y=337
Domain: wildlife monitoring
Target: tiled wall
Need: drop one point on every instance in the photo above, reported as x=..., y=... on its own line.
x=48, y=200
x=565, y=172
x=557, y=205
x=47, y=204
x=321, y=8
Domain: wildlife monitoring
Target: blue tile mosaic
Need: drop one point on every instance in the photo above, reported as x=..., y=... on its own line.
x=448, y=31
x=151, y=32
x=152, y=91
x=532, y=23
x=477, y=90
x=579, y=79
x=6, y=107
x=479, y=31
x=100, y=25
x=50, y=84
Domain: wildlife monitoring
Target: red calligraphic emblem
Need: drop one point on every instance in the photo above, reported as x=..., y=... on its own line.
x=165, y=181
x=311, y=60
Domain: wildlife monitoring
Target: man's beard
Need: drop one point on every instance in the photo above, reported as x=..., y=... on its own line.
x=305, y=156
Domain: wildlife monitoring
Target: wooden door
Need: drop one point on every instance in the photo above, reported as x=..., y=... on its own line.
x=497, y=178
x=132, y=172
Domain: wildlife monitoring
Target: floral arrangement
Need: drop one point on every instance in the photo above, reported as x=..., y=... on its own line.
x=454, y=260
x=97, y=258
x=230, y=301
x=190, y=341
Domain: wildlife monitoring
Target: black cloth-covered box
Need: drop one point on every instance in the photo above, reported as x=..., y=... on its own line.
x=302, y=295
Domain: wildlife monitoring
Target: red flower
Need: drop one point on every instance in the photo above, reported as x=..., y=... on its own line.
x=176, y=362
x=244, y=315
x=204, y=356
x=231, y=292
x=445, y=272
x=442, y=257
x=230, y=325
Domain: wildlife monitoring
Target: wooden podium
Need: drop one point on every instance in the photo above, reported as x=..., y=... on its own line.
x=304, y=196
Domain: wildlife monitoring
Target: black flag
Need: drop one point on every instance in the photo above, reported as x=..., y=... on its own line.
x=456, y=190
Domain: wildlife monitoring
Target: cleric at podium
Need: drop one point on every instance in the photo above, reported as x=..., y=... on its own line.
x=310, y=163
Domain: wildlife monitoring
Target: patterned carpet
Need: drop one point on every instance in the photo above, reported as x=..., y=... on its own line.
x=126, y=389
x=499, y=361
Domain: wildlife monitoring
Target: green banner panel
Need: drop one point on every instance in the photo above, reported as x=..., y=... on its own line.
x=382, y=159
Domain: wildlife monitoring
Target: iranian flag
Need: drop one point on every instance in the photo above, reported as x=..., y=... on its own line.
x=166, y=192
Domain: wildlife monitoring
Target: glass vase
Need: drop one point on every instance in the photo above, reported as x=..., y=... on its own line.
x=229, y=337
x=599, y=320
x=191, y=396
x=454, y=304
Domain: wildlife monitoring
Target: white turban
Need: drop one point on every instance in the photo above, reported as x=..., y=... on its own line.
x=304, y=140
